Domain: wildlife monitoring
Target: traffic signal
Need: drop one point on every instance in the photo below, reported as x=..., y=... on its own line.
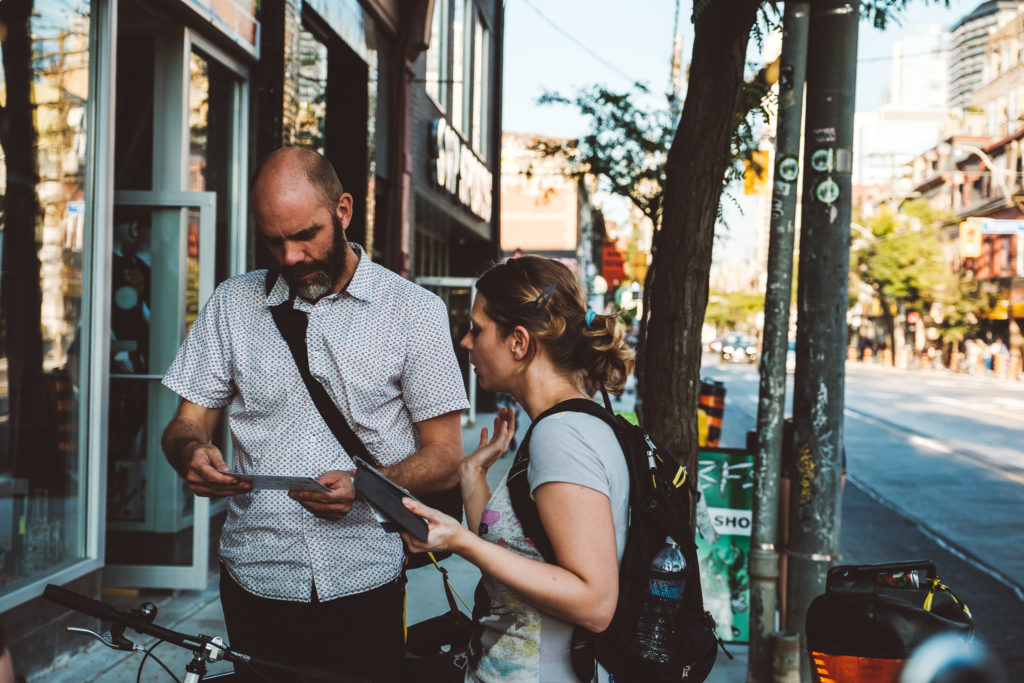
x=970, y=239
x=757, y=173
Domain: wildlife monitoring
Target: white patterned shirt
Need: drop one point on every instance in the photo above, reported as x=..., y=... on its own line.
x=383, y=350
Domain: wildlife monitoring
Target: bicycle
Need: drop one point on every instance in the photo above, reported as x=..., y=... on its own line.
x=205, y=649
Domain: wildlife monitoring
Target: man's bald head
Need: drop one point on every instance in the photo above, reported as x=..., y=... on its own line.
x=283, y=164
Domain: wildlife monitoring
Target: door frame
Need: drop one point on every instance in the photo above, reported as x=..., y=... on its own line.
x=194, y=575
x=173, y=47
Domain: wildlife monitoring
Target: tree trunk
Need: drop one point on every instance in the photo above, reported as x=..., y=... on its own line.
x=678, y=287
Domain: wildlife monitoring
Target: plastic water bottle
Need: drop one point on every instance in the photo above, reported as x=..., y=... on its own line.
x=665, y=581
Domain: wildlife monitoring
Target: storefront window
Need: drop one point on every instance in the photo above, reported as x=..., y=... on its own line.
x=210, y=117
x=237, y=18
x=437, y=54
x=481, y=45
x=325, y=76
x=44, y=88
x=459, y=64
x=310, y=106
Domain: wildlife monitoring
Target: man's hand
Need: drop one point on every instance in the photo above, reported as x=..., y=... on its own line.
x=333, y=505
x=207, y=474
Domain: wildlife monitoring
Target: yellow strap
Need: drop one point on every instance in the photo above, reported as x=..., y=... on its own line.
x=935, y=584
x=434, y=560
x=447, y=581
x=468, y=608
x=680, y=477
x=932, y=585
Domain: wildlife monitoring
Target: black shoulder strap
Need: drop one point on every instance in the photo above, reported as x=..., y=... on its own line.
x=523, y=505
x=292, y=324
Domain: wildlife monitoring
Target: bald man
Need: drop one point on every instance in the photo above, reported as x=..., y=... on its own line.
x=310, y=577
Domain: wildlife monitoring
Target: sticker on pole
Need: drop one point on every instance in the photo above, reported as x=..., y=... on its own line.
x=789, y=169
x=827, y=191
x=821, y=160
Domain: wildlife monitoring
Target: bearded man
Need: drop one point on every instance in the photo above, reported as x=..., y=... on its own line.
x=310, y=577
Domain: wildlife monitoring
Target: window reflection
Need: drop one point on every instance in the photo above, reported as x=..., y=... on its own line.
x=437, y=54
x=44, y=91
x=309, y=108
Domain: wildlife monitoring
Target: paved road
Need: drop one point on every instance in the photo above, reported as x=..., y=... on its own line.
x=936, y=470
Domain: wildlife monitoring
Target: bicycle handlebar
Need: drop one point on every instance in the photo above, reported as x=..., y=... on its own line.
x=105, y=612
x=140, y=624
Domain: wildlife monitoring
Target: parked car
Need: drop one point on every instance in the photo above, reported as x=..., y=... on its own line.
x=739, y=347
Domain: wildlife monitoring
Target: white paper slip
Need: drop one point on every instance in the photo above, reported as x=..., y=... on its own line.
x=281, y=483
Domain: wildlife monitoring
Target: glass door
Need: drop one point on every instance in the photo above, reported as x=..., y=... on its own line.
x=159, y=277
x=179, y=227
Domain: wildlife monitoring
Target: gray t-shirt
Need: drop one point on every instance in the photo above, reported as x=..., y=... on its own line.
x=517, y=641
x=582, y=449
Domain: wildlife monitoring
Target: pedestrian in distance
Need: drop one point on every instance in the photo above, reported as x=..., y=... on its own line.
x=532, y=336
x=310, y=577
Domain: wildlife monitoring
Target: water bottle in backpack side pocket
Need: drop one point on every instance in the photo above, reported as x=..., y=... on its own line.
x=665, y=580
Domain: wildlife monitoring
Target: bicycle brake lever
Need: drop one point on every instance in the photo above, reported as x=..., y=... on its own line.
x=121, y=644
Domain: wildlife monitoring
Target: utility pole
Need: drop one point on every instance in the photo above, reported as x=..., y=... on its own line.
x=822, y=301
x=771, y=407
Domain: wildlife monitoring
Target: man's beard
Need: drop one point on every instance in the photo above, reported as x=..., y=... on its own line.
x=325, y=273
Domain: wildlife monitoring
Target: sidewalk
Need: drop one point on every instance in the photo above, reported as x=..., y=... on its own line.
x=878, y=365
x=194, y=612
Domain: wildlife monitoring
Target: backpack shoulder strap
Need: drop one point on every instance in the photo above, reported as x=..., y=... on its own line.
x=523, y=505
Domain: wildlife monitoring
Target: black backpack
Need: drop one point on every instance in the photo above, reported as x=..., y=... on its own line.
x=660, y=496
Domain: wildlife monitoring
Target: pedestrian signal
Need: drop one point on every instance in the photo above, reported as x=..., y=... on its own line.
x=970, y=239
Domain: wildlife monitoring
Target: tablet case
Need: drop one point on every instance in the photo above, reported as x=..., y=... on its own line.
x=386, y=496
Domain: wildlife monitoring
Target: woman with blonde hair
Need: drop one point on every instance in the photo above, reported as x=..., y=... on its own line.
x=533, y=337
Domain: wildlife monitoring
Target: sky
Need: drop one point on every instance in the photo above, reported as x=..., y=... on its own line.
x=564, y=45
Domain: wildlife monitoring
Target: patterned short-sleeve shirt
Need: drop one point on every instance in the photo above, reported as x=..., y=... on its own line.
x=384, y=352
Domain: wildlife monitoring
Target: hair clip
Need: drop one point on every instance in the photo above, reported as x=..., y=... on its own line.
x=543, y=298
x=590, y=317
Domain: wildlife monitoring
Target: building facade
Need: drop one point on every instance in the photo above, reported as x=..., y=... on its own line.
x=1000, y=95
x=968, y=38
x=130, y=130
x=547, y=210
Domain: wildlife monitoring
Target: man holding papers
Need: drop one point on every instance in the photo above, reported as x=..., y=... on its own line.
x=310, y=576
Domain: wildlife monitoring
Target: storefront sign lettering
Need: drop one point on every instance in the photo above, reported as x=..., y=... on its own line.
x=459, y=171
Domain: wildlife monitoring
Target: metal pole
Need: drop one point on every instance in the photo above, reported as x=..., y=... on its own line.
x=771, y=408
x=822, y=300
x=785, y=648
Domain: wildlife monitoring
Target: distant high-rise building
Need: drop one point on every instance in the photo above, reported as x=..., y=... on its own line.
x=919, y=76
x=1000, y=98
x=967, y=48
x=913, y=114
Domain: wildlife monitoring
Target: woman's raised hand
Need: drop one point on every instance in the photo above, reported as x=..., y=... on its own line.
x=489, y=450
x=444, y=532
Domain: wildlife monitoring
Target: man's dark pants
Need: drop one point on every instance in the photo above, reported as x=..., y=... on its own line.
x=358, y=635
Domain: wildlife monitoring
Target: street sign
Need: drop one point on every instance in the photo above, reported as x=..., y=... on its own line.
x=726, y=480
x=970, y=239
x=996, y=226
x=611, y=264
x=789, y=169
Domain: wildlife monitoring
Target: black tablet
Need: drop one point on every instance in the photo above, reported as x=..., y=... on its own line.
x=385, y=498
